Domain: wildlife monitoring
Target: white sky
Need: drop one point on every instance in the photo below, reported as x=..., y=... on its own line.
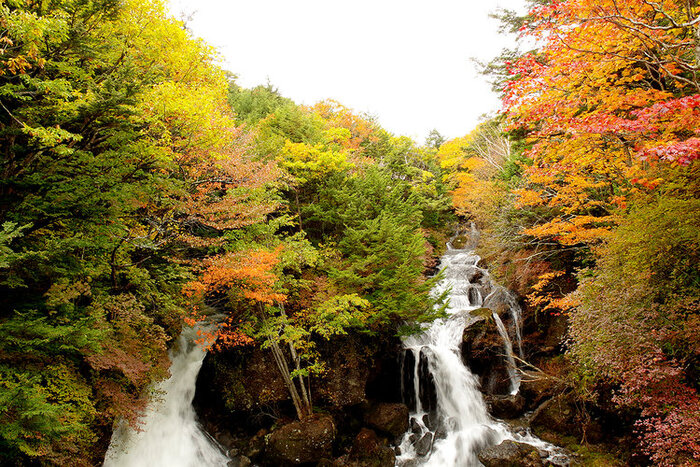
x=405, y=61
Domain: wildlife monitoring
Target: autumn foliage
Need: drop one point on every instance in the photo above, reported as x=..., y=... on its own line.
x=610, y=93
x=245, y=277
x=592, y=214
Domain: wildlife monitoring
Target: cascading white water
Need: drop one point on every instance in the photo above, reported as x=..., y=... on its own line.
x=170, y=435
x=449, y=420
x=508, y=346
x=501, y=297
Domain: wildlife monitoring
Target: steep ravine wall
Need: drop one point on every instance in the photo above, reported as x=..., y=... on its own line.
x=243, y=403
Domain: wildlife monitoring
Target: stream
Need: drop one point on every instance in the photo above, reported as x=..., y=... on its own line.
x=450, y=423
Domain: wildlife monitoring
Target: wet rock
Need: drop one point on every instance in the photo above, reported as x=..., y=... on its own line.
x=500, y=300
x=427, y=392
x=239, y=461
x=408, y=364
x=441, y=433
x=368, y=450
x=415, y=426
x=432, y=421
x=474, y=274
x=507, y=407
x=510, y=454
x=388, y=418
x=482, y=352
x=424, y=445
x=304, y=441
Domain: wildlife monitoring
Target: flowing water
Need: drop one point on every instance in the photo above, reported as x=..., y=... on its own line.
x=449, y=420
x=170, y=435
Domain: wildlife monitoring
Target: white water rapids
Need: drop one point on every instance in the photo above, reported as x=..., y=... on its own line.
x=170, y=435
x=449, y=420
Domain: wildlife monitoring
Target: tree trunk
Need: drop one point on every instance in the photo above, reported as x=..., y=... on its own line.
x=284, y=370
x=306, y=398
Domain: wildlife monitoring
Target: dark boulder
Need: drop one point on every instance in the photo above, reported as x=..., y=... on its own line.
x=242, y=380
x=389, y=418
x=556, y=415
x=537, y=388
x=424, y=445
x=368, y=450
x=510, y=454
x=301, y=442
x=415, y=426
x=483, y=350
x=560, y=417
x=508, y=407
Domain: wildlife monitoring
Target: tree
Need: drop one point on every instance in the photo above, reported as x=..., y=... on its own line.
x=608, y=109
x=636, y=324
x=435, y=139
x=111, y=121
x=610, y=91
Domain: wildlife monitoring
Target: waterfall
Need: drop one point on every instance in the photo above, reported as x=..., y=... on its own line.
x=508, y=346
x=170, y=435
x=449, y=420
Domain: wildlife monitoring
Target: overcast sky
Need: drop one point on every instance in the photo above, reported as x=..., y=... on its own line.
x=406, y=62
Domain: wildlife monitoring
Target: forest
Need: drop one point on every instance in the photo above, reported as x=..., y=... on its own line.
x=143, y=190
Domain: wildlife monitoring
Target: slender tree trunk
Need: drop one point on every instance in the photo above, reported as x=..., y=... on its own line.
x=306, y=398
x=302, y=386
x=113, y=260
x=300, y=396
x=697, y=45
x=284, y=370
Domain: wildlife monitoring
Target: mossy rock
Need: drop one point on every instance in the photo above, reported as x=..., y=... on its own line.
x=301, y=442
x=460, y=242
x=511, y=454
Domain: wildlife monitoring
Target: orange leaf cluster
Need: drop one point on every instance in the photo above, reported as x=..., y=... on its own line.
x=337, y=115
x=546, y=295
x=611, y=89
x=247, y=274
x=224, y=189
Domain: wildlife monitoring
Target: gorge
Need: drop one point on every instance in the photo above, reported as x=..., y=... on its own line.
x=144, y=189
x=449, y=421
